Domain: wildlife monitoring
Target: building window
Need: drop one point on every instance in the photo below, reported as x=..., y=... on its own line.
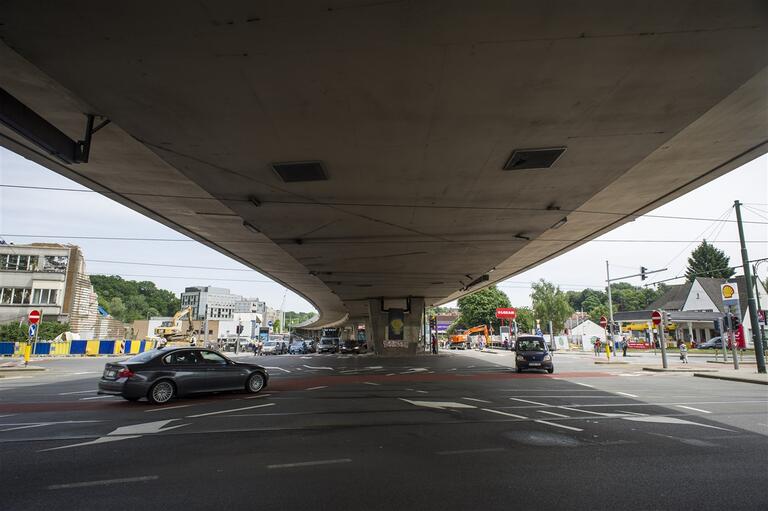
x=55, y=264
x=16, y=262
x=15, y=296
x=45, y=296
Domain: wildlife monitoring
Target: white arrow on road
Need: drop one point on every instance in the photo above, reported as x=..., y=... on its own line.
x=440, y=405
x=126, y=432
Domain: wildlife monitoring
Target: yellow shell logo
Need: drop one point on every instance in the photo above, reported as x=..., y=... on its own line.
x=728, y=292
x=397, y=325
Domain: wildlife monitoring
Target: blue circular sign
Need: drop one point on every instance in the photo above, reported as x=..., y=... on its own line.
x=269, y=323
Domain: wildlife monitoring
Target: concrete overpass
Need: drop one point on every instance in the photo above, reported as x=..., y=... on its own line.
x=412, y=116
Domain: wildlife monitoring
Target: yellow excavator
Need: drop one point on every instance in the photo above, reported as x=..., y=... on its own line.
x=171, y=331
x=460, y=340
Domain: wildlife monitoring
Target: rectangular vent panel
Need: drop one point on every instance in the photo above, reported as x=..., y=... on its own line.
x=298, y=171
x=544, y=158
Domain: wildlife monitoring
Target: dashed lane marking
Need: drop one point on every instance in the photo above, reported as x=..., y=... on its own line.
x=318, y=367
x=584, y=385
x=103, y=482
x=694, y=409
x=470, y=451
x=229, y=411
x=258, y=397
x=476, y=400
x=163, y=408
x=554, y=414
x=531, y=402
x=371, y=383
x=504, y=413
x=318, y=388
x=278, y=368
x=626, y=394
x=391, y=374
x=94, y=397
x=310, y=463
x=558, y=425
x=77, y=392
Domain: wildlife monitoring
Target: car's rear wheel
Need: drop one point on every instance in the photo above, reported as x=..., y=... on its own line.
x=161, y=392
x=255, y=383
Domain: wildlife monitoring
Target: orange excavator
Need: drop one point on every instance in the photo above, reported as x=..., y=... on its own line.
x=460, y=341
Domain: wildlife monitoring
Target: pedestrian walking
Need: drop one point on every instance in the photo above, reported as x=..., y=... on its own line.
x=624, y=344
x=683, y=352
x=597, y=347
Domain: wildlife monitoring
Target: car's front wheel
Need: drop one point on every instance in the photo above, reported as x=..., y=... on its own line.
x=161, y=392
x=255, y=383
x=551, y=370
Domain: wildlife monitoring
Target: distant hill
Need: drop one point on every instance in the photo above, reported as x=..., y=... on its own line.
x=128, y=300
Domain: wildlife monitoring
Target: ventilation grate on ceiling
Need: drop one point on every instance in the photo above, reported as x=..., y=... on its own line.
x=298, y=171
x=543, y=158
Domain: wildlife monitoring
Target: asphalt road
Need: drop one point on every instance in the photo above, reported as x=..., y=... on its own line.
x=454, y=431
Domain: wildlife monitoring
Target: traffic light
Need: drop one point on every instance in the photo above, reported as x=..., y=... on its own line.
x=727, y=321
x=643, y=276
x=735, y=322
x=433, y=324
x=717, y=326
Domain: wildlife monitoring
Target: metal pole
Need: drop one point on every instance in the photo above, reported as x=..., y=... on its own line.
x=37, y=330
x=724, y=337
x=754, y=323
x=757, y=297
x=551, y=336
x=205, y=327
x=732, y=339
x=610, y=303
x=662, y=341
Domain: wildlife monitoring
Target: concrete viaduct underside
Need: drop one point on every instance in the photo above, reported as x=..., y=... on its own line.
x=413, y=122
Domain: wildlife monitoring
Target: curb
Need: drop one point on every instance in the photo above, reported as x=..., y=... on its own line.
x=731, y=378
x=677, y=370
x=20, y=369
x=730, y=363
x=605, y=362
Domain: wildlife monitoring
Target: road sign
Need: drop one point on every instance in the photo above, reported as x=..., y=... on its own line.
x=603, y=321
x=729, y=293
x=32, y=330
x=269, y=323
x=506, y=313
x=34, y=317
x=656, y=317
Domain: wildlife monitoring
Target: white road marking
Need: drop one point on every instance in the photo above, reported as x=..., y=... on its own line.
x=27, y=426
x=77, y=392
x=422, y=392
x=626, y=394
x=101, y=440
x=391, y=374
x=318, y=388
x=558, y=425
x=9, y=415
x=554, y=413
x=259, y=396
x=584, y=385
x=375, y=367
x=163, y=408
x=103, y=482
x=371, y=383
x=601, y=414
x=504, y=413
x=694, y=409
x=476, y=400
x=278, y=368
x=94, y=397
x=531, y=402
x=662, y=419
x=415, y=370
x=318, y=367
x=440, y=405
x=310, y=463
x=470, y=451
x=6, y=378
x=87, y=372
x=229, y=411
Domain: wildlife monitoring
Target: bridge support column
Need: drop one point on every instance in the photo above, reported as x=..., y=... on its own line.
x=395, y=331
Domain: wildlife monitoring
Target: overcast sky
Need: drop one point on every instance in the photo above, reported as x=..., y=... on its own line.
x=48, y=214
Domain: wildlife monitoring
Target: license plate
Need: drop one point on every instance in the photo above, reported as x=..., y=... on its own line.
x=534, y=363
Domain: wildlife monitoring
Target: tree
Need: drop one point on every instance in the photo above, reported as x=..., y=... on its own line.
x=479, y=308
x=550, y=304
x=708, y=261
x=13, y=332
x=526, y=321
x=276, y=326
x=139, y=298
x=116, y=307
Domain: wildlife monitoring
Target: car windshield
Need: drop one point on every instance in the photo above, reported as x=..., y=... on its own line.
x=326, y=341
x=270, y=343
x=530, y=344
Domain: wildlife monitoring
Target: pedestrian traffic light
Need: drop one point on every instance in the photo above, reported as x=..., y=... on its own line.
x=735, y=322
x=727, y=321
x=433, y=324
x=643, y=276
x=717, y=326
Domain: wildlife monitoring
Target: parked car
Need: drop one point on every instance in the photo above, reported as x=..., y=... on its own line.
x=297, y=347
x=160, y=375
x=328, y=345
x=349, y=347
x=272, y=348
x=713, y=343
x=532, y=352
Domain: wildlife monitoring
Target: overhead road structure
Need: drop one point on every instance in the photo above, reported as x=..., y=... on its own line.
x=350, y=149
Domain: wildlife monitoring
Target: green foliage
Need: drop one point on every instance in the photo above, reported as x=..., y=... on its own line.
x=480, y=308
x=708, y=261
x=625, y=296
x=12, y=332
x=526, y=321
x=128, y=300
x=276, y=326
x=296, y=318
x=550, y=304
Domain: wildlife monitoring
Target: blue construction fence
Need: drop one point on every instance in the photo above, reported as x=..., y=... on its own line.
x=90, y=347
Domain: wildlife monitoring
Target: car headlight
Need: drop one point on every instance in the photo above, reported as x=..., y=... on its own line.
x=547, y=357
x=521, y=358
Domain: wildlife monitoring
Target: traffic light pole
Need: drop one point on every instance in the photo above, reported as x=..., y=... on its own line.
x=753, y=319
x=663, y=342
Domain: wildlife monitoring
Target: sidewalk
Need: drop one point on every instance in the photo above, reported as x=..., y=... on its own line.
x=744, y=375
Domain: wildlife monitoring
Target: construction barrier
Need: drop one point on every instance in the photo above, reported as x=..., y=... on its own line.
x=42, y=348
x=91, y=347
x=7, y=348
x=77, y=347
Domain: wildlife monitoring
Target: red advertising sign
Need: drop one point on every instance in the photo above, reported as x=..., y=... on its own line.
x=741, y=341
x=638, y=345
x=34, y=317
x=506, y=313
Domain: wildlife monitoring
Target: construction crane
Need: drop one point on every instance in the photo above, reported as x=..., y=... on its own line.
x=171, y=330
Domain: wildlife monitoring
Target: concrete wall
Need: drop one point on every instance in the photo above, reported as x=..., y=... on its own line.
x=377, y=331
